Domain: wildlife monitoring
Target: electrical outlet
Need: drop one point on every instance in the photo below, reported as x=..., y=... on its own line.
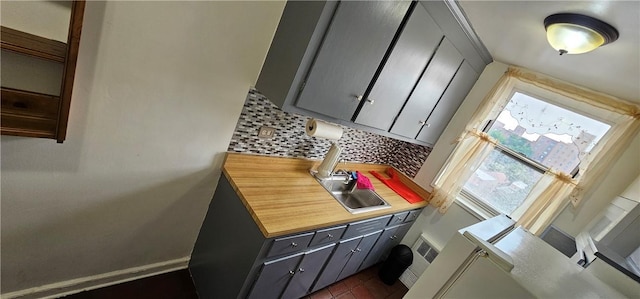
x=266, y=132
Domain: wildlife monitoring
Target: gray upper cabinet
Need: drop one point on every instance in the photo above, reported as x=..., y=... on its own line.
x=407, y=61
x=378, y=66
x=428, y=91
x=357, y=40
x=448, y=104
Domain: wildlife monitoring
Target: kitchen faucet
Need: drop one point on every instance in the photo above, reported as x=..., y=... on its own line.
x=328, y=165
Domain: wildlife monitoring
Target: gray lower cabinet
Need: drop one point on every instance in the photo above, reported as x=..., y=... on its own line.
x=336, y=263
x=242, y=263
x=389, y=238
x=291, y=276
x=358, y=254
x=274, y=277
x=308, y=270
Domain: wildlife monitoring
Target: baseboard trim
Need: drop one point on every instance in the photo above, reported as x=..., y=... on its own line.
x=78, y=285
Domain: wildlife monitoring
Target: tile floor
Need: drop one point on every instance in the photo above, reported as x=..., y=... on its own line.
x=363, y=285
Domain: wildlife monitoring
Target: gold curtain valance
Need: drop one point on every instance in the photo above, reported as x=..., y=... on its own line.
x=600, y=100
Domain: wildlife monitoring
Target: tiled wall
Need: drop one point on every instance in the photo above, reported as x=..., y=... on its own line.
x=290, y=139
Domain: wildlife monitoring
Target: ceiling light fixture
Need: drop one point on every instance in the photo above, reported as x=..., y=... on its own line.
x=571, y=33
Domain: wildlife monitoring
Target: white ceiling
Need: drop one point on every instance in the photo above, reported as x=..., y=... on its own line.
x=514, y=33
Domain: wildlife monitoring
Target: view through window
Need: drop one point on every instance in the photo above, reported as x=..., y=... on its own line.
x=533, y=135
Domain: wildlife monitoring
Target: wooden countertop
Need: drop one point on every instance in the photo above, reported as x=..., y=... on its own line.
x=283, y=198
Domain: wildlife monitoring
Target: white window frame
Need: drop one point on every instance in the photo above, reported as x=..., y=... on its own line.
x=482, y=209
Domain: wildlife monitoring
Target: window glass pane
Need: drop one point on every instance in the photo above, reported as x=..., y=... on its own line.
x=550, y=135
x=502, y=181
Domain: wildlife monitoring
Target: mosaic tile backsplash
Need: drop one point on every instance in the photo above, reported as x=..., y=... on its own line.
x=290, y=139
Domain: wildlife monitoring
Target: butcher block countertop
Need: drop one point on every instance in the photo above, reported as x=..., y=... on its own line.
x=283, y=198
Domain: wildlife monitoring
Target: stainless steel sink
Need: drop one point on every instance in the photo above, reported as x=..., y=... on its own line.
x=343, y=188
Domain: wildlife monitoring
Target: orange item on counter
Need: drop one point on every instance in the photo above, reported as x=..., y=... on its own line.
x=396, y=185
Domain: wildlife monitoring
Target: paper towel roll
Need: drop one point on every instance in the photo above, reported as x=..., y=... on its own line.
x=321, y=129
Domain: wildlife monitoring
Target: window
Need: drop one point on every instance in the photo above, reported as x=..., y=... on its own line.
x=534, y=145
x=532, y=135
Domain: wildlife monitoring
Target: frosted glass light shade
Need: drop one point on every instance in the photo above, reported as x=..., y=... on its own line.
x=575, y=34
x=574, y=39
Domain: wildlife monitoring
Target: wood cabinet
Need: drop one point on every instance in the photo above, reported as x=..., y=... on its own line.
x=34, y=111
x=241, y=262
x=383, y=67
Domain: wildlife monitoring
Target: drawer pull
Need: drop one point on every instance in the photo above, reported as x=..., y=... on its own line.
x=294, y=244
x=291, y=273
x=393, y=237
x=301, y=270
x=330, y=236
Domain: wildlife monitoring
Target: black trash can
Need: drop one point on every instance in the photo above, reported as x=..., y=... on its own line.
x=399, y=260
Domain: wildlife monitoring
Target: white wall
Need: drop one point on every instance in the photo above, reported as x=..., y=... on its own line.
x=159, y=88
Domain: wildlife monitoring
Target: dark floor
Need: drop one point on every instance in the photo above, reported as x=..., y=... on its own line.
x=178, y=285
x=363, y=285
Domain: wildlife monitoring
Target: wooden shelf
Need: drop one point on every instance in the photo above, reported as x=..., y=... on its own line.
x=32, y=45
x=26, y=113
x=31, y=114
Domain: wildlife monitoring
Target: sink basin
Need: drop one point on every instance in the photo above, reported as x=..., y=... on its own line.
x=343, y=188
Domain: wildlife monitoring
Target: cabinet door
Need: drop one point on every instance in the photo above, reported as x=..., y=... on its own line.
x=358, y=254
x=379, y=248
x=448, y=104
x=428, y=91
x=389, y=238
x=307, y=271
x=274, y=277
x=402, y=70
x=355, y=44
x=336, y=263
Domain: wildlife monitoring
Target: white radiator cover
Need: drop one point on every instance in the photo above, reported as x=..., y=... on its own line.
x=423, y=254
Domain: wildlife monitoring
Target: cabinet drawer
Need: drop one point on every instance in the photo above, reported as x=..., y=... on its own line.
x=413, y=215
x=328, y=235
x=398, y=218
x=366, y=226
x=290, y=244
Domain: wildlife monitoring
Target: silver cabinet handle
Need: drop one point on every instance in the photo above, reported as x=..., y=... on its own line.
x=393, y=237
x=301, y=270
x=424, y=123
x=330, y=236
x=294, y=244
x=370, y=101
x=291, y=273
x=359, y=98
